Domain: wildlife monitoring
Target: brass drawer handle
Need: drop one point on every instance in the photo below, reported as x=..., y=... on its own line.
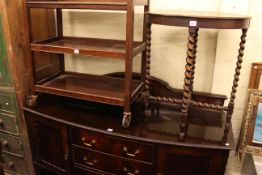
x=88, y=144
x=90, y=163
x=128, y=173
x=131, y=154
x=5, y=143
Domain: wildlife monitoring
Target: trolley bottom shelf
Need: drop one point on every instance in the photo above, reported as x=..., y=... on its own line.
x=97, y=88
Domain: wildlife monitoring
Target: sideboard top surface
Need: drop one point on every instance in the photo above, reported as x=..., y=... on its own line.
x=205, y=128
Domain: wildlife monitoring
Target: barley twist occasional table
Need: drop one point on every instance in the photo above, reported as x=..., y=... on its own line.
x=195, y=21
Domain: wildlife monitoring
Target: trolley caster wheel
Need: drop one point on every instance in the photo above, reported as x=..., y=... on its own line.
x=126, y=120
x=32, y=100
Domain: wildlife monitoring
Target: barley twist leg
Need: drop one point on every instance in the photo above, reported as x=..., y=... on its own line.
x=148, y=62
x=235, y=83
x=194, y=58
x=187, y=92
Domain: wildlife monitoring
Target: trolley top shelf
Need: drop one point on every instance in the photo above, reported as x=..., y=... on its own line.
x=200, y=19
x=85, y=4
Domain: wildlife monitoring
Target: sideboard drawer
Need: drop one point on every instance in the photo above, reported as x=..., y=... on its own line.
x=112, y=145
x=14, y=164
x=11, y=144
x=7, y=102
x=8, y=124
x=111, y=164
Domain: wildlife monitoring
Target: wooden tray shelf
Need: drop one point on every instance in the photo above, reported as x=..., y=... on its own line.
x=86, y=46
x=84, y=4
x=104, y=89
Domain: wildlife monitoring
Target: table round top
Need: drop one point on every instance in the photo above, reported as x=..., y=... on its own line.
x=199, y=19
x=199, y=14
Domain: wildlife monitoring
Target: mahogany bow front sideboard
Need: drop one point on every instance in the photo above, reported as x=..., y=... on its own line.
x=74, y=120
x=71, y=136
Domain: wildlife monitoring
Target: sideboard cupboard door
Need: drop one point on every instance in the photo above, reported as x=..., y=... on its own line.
x=49, y=143
x=188, y=161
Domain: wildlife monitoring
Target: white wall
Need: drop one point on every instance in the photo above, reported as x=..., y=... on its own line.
x=202, y=5
x=168, y=43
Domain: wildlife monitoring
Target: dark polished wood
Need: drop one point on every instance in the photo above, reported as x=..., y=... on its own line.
x=86, y=119
x=51, y=141
x=199, y=161
x=210, y=20
x=92, y=141
x=102, y=89
x=122, y=148
x=194, y=21
x=106, y=163
x=189, y=77
x=86, y=46
x=159, y=88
